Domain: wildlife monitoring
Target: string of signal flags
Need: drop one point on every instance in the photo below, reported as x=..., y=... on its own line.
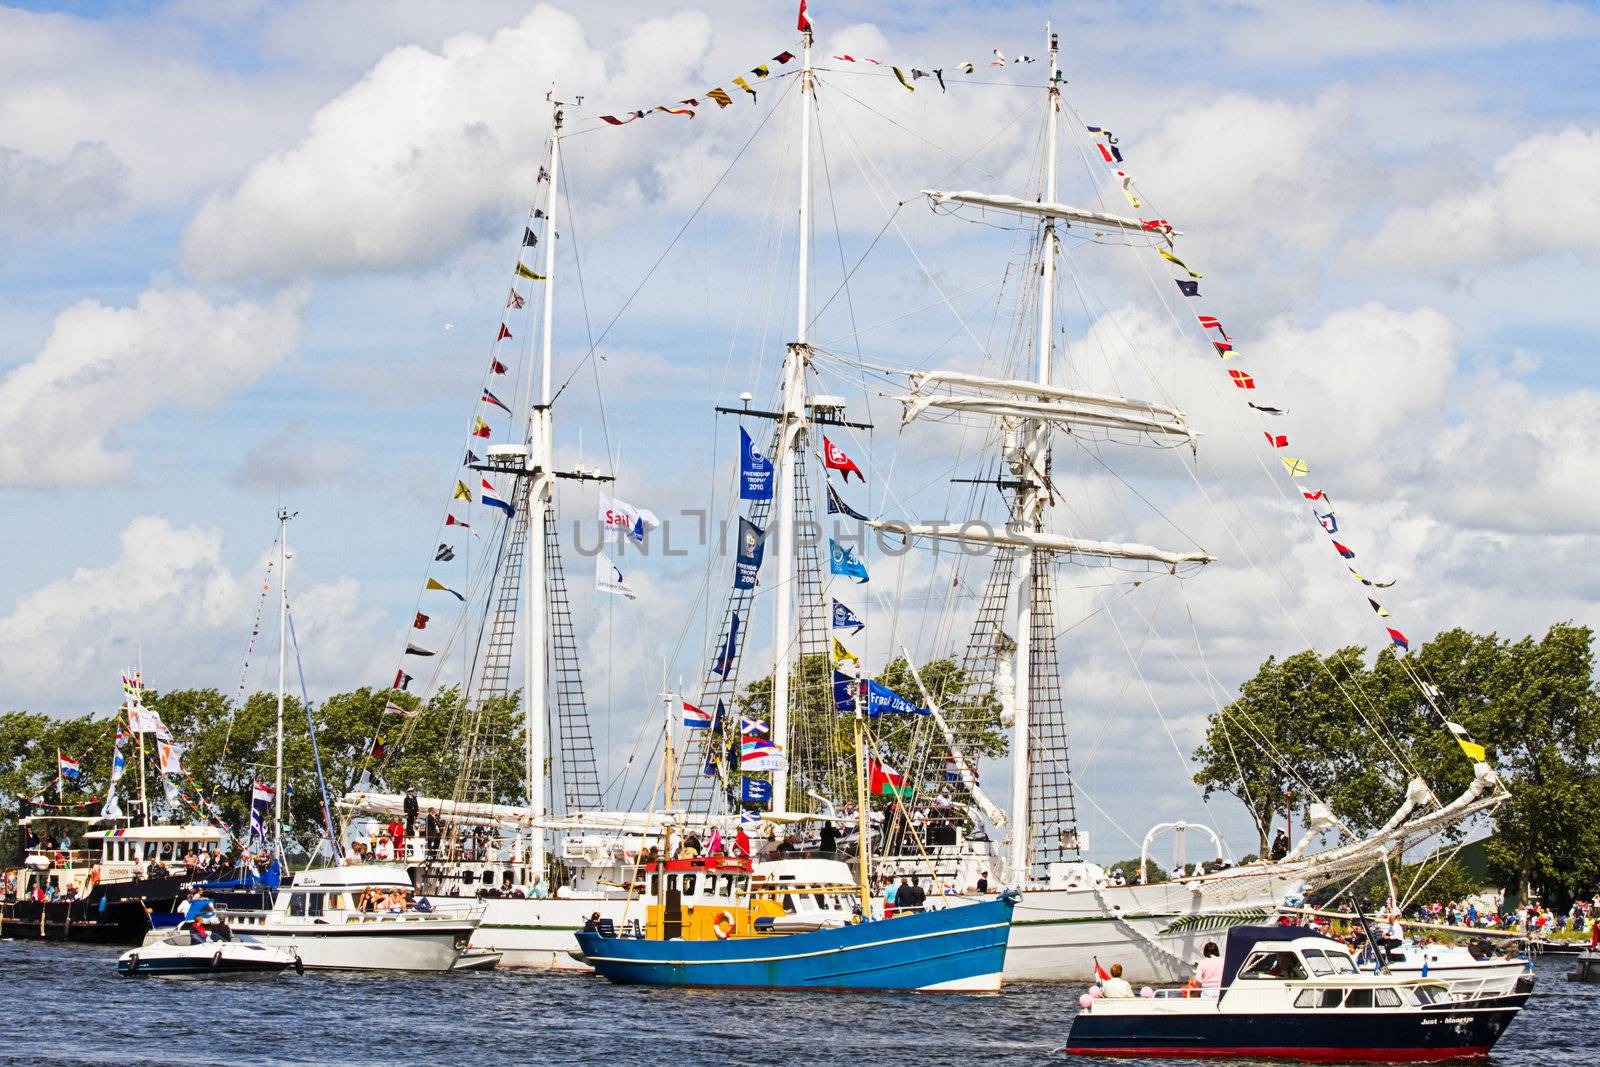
x=1294, y=467
x=904, y=73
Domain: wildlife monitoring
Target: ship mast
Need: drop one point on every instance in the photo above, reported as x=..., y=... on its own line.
x=1031, y=463
x=791, y=426
x=283, y=641
x=541, y=467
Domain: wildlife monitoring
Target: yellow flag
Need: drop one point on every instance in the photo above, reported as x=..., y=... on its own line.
x=741, y=83
x=524, y=272
x=840, y=653
x=1475, y=752
x=462, y=492
x=1170, y=258
x=761, y=71
x=720, y=96
x=1296, y=467
x=898, y=73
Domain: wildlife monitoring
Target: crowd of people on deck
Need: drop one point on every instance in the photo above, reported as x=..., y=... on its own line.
x=1532, y=920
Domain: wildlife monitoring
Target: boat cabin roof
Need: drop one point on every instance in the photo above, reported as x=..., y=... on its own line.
x=354, y=876
x=159, y=833
x=1243, y=940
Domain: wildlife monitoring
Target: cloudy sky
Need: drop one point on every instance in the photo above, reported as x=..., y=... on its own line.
x=254, y=254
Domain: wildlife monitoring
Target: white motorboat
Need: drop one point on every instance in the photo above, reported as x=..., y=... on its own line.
x=185, y=953
x=320, y=919
x=1467, y=975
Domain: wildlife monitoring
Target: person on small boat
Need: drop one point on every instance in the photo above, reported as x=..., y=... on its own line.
x=1116, y=987
x=1208, y=972
x=592, y=926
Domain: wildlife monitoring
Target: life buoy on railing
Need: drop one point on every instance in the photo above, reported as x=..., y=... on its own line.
x=722, y=925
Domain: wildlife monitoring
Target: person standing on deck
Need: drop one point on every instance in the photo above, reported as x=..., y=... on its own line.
x=410, y=809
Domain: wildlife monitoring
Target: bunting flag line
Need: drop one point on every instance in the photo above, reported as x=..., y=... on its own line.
x=421, y=621
x=1242, y=380
x=1187, y=287
x=391, y=708
x=1382, y=612
x=753, y=727
x=1474, y=751
x=505, y=333
x=900, y=74
x=1224, y=349
x=1327, y=521
x=444, y=554
x=495, y=366
x=480, y=428
x=1276, y=440
x=844, y=655
x=402, y=681
x=529, y=238
x=845, y=619
x=1170, y=258
x=524, y=272
x=1343, y=551
x=1208, y=322
x=437, y=585
x=490, y=398
x=720, y=96
x=462, y=492
x=1296, y=467
x=451, y=520
x=514, y=301
x=417, y=650
x=741, y=83
x=470, y=458
x=1266, y=409
x=1398, y=638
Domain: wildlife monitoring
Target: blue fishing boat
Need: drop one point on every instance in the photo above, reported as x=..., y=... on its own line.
x=708, y=924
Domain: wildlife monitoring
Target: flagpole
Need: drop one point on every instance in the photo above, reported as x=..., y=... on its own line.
x=1030, y=505
x=863, y=823
x=541, y=466
x=144, y=799
x=791, y=426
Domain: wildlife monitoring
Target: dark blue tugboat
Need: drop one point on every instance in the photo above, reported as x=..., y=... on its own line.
x=1290, y=993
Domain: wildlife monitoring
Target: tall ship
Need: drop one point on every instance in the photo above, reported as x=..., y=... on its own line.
x=815, y=581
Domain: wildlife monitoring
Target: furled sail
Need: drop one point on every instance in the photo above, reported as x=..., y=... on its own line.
x=1039, y=210
x=980, y=533
x=1055, y=412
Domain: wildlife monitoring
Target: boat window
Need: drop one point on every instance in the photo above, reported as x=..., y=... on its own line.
x=1358, y=998
x=1318, y=998
x=1318, y=962
x=672, y=883
x=1273, y=965
x=297, y=903
x=788, y=903
x=729, y=885
x=655, y=883
x=822, y=900
x=689, y=884
x=468, y=876
x=315, y=903
x=1387, y=998
x=1341, y=963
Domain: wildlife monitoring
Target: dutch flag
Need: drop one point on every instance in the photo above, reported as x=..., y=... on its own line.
x=68, y=766
x=493, y=499
x=696, y=718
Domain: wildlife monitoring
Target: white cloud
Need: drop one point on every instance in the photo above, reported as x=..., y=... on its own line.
x=102, y=368
x=44, y=194
x=296, y=457
x=1541, y=198
x=168, y=599
x=425, y=153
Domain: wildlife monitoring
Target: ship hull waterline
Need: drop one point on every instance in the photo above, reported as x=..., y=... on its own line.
x=959, y=949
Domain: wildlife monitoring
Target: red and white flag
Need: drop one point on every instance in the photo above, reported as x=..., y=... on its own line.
x=833, y=457
x=1100, y=973
x=1211, y=322
x=803, y=24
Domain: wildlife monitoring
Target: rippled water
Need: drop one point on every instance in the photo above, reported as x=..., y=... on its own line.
x=67, y=1005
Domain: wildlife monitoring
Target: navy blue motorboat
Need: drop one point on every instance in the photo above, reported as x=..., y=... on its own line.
x=1291, y=993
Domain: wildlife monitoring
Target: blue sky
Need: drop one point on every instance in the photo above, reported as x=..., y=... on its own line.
x=1394, y=203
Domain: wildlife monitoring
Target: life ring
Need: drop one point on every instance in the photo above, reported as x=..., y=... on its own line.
x=722, y=925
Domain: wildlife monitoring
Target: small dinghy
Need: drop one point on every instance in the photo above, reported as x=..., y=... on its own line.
x=185, y=954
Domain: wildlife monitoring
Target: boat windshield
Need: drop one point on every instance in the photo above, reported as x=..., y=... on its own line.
x=1322, y=963
x=1284, y=965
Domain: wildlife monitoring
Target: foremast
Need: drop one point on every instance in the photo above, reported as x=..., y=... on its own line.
x=791, y=440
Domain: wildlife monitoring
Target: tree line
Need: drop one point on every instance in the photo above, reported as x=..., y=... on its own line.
x=1338, y=729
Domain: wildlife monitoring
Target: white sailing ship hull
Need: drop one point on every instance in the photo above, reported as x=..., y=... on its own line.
x=1154, y=931
x=397, y=946
x=538, y=934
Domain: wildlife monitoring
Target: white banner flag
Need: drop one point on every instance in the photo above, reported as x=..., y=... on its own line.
x=608, y=579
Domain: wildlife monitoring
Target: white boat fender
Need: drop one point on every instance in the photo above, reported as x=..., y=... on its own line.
x=722, y=925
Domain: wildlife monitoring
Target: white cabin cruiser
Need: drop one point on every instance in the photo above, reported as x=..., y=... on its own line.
x=320, y=918
x=188, y=953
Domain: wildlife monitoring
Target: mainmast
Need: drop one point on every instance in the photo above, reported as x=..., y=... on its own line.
x=1030, y=463
x=791, y=427
x=283, y=641
x=541, y=467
